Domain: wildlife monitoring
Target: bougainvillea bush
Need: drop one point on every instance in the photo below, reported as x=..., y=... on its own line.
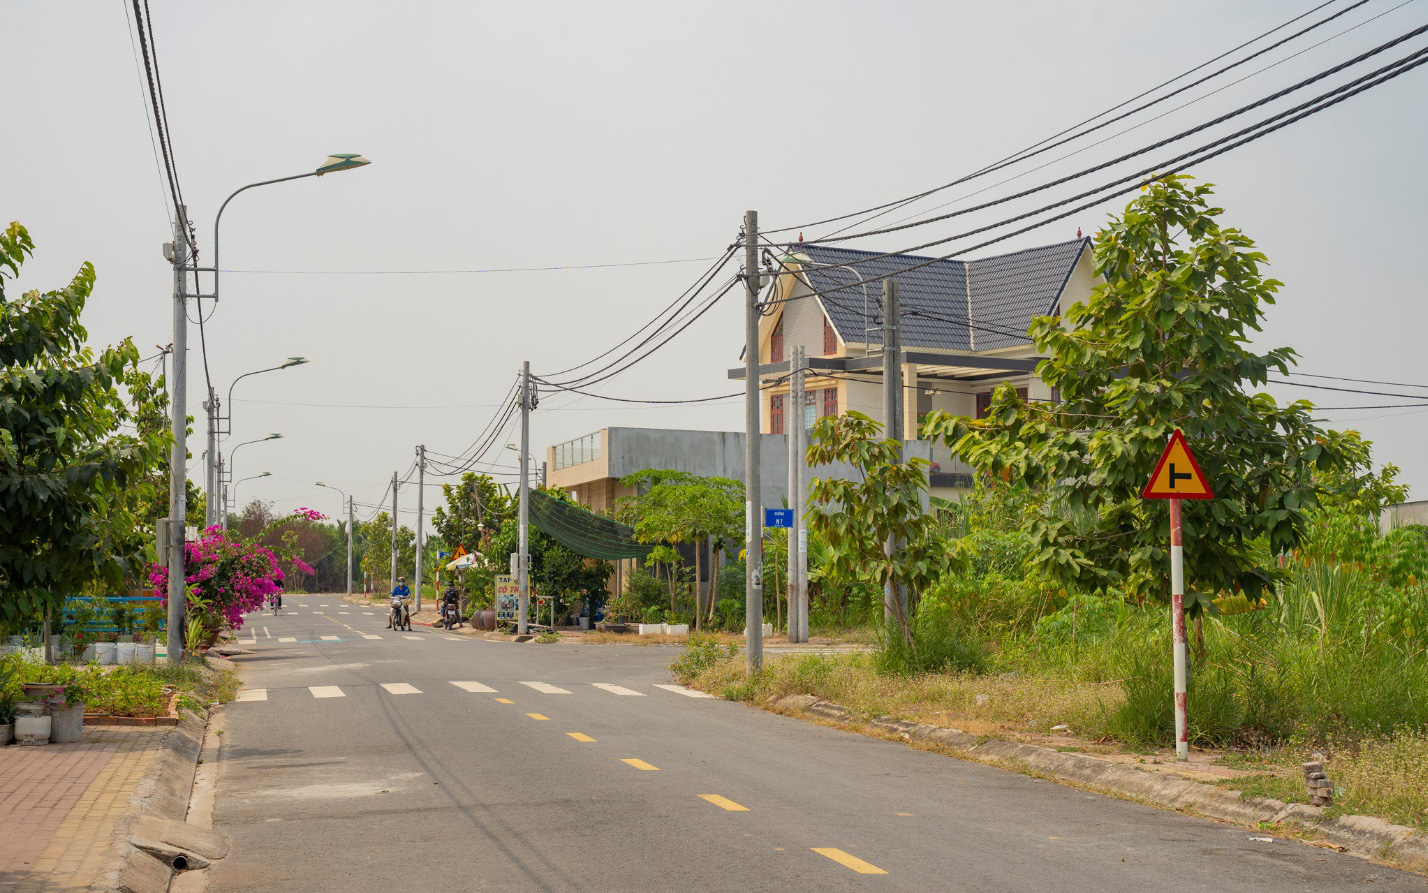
x=226, y=578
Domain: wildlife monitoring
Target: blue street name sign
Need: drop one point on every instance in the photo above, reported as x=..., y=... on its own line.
x=778, y=518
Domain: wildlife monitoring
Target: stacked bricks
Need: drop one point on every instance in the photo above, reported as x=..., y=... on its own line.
x=1321, y=789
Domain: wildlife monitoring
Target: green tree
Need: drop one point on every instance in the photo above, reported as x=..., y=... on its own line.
x=858, y=518
x=73, y=466
x=675, y=508
x=1162, y=344
x=474, y=508
x=377, y=557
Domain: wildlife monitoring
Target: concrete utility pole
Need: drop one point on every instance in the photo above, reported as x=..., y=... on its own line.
x=210, y=463
x=178, y=458
x=797, y=535
x=894, y=598
x=349, y=545
x=394, y=530
x=421, y=481
x=754, y=522
x=523, y=559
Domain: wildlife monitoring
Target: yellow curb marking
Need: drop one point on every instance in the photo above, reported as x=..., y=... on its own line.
x=723, y=803
x=581, y=737
x=641, y=765
x=847, y=860
x=537, y=716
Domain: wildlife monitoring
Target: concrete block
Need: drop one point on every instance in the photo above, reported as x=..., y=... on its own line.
x=144, y=874
x=167, y=839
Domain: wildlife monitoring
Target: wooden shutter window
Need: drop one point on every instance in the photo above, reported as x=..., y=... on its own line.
x=776, y=414
x=830, y=338
x=830, y=401
x=776, y=343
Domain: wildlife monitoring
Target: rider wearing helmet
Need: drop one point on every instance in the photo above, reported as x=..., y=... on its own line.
x=399, y=596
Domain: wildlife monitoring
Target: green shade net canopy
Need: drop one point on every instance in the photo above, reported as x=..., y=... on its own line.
x=582, y=532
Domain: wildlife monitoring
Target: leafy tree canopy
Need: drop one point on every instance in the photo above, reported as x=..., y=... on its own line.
x=69, y=447
x=1162, y=344
x=475, y=507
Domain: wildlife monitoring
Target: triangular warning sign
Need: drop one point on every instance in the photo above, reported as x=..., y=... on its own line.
x=1177, y=475
x=460, y=551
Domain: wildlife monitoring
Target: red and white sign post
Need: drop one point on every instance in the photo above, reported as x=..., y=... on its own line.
x=1177, y=476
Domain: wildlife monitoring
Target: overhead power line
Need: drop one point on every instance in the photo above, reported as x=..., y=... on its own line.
x=1036, y=147
x=475, y=271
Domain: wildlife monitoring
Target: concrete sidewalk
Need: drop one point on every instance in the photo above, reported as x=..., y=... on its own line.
x=62, y=806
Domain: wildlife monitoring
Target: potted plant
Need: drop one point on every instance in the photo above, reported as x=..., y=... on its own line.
x=9, y=698
x=617, y=610
x=67, y=712
x=122, y=616
x=151, y=620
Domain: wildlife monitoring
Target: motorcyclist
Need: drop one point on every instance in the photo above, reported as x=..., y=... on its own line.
x=451, y=598
x=399, y=597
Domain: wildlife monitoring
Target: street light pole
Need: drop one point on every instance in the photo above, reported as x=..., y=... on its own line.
x=178, y=458
x=348, y=501
x=250, y=477
x=231, y=455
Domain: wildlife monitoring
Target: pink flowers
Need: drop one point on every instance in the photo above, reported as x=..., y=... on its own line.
x=309, y=514
x=225, y=578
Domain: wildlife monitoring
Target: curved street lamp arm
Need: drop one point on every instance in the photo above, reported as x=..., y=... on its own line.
x=219, y=218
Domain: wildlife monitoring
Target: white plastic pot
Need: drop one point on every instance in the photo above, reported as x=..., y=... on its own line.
x=7, y=731
x=87, y=654
x=144, y=653
x=124, y=652
x=32, y=729
x=106, y=653
x=34, y=655
x=651, y=629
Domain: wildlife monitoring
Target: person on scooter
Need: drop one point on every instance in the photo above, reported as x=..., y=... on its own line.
x=399, y=600
x=451, y=602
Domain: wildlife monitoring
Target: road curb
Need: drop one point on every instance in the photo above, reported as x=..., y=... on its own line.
x=1363, y=836
x=162, y=796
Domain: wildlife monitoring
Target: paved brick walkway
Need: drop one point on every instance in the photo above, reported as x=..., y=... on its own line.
x=60, y=803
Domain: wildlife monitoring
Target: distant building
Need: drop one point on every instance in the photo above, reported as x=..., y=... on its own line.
x=963, y=332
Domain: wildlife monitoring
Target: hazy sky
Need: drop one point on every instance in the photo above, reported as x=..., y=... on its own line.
x=508, y=135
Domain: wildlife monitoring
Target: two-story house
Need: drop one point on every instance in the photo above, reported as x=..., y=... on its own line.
x=962, y=328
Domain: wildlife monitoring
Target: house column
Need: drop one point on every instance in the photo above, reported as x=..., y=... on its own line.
x=909, y=402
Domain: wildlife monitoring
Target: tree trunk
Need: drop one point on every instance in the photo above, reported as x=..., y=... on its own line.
x=714, y=583
x=1200, y=636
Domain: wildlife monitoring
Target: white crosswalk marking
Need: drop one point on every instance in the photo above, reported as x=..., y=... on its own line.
x=322, y=606
x=368, y=614
x=331, y=638
x=326, y=691
x=418, y=638
x=252, y=694
x=266, y=634
x=687, y=692
x=618, y=689
x=344, y=612
x=546, y=688
x=285, y=639
x=302, y=605
x=401, y=688
x=474, y=687
x=370, y=636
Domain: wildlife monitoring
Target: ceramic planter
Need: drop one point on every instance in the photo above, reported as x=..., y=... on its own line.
x=7, y=731
x=67, y=724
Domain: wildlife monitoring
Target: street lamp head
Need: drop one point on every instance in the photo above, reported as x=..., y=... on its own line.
x=273, y=437
x=320, y=484
x=340, y=162
x=295, y=361
x=266, y=474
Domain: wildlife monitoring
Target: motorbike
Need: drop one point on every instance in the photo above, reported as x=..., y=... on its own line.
x=450, y=614
x=401, y=614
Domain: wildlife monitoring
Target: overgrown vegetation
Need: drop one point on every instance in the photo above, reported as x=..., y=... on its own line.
x=1310, y=624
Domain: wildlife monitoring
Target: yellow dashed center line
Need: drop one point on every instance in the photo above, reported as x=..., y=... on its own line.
x=504, y=701
x=641, y=765
x=847, y=860
x=538, y=716
x=723, y=803
x=581, y=737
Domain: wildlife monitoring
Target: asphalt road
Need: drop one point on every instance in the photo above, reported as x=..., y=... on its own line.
x=365, y=760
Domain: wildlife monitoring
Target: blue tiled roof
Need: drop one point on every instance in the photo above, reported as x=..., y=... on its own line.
x=965, y=305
